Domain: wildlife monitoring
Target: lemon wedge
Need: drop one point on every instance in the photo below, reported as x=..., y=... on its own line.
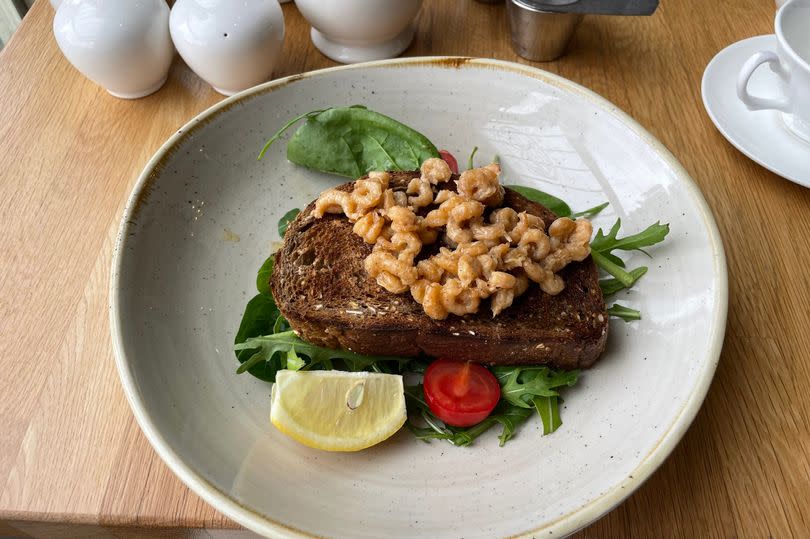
x=337, y=410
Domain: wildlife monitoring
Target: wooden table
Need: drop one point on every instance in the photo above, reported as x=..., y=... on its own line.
x=73, y=462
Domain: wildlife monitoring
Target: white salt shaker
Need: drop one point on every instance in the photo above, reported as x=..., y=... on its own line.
x=231, y=45
x=123, y=46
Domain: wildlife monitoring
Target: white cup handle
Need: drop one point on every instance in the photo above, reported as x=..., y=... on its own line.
x=758, y=103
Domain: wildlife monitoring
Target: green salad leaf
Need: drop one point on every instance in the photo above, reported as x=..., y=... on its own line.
x=434, y=428
x=284, y=128
x=520, y=384
x=508, y=416
x=591, y=212
x=651, y=235
x=294, y=363
x=266, y=347
x=625, y=313
x=281, y=325
x=602, y=247
x=285, y=221
x=559, y=207
x=537, y=388
x=613, y=285
x=470, y=161
x=263, y=277
x=548, y=408
x=352, y=141
x=609, y=264
x=259, y=317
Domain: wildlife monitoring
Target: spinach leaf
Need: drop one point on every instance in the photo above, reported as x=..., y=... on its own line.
x=284, y=128
x=625, y=313
x=285, y=221
x=591, y=212
x=352, y=141
x=270, y=345
x=559, y=207
x=263, y=277
x=260, y=316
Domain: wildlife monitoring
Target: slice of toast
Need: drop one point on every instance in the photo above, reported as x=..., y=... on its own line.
x=322, y=289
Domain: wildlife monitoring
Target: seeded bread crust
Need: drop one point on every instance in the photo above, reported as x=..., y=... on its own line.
x=322, y=289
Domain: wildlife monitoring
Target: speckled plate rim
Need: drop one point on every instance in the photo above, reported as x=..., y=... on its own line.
x=561, y=526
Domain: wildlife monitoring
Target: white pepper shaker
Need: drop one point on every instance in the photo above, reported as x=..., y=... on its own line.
x=123, y=46
x=231, y=45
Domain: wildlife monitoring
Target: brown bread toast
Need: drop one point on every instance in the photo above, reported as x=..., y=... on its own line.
x=322, y=289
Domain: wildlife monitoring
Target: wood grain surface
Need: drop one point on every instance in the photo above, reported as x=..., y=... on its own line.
x=72, y=458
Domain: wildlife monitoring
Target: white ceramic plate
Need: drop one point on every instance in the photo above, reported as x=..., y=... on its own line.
x=761, y=135
x=180, y=282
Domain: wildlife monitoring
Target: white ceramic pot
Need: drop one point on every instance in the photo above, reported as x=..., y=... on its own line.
x=351, y=31
x=123, y=46
x=231, y=45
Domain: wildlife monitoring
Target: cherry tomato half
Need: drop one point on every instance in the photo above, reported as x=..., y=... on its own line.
x=450, y=160
x=460, y=393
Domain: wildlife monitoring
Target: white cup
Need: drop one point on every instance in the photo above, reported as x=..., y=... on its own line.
x=791, y=62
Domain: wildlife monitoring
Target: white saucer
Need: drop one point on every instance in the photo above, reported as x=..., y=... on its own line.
x=761, y=135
